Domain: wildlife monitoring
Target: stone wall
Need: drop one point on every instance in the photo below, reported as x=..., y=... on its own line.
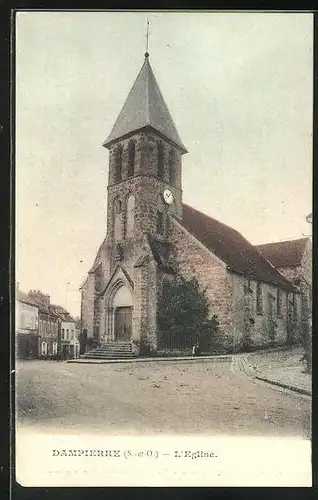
x=145, y=185
x=233, y=298
x=258, y=329
x=87, y=305
x=193, y=259
x=301, y=276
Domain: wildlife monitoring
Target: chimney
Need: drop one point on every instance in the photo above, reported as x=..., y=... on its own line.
x=47, y=299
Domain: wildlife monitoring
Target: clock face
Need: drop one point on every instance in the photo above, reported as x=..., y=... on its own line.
x=168, y=196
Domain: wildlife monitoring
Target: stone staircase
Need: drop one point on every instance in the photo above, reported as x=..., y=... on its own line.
x=111, y=350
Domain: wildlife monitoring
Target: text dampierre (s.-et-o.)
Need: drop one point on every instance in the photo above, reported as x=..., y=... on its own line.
x=129, y=453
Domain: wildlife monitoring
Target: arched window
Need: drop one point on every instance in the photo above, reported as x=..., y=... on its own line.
x=160, y=223
x=259, y=298
x=294, y=305
x=117, y=219
x=160, y=226
x=131, y=158
x=130, y=218
x=160, y=160
x=118, y=163
x=279, y=303
x=172, y=167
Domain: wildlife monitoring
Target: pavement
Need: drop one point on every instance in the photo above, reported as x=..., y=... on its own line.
x=282, y=368
x=159, y=397
x=279, y=366
x=188, y=359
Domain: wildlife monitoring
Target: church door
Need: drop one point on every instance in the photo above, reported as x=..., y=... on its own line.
x=123, y=324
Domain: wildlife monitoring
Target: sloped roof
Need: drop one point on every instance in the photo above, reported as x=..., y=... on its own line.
x=42, y=306
x=145, y=107
x=231, y=247
x=24, y=297
x=160, y=251
x=284, y=253
x=63, y=313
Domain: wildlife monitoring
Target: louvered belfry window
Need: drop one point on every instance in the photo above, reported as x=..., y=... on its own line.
x=118, y=163
x=160, y=159
x=131, y=158
x=172, y=167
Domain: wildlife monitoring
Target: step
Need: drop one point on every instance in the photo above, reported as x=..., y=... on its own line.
x=113, y=346
x=105, y=356
x=110, y=350
x=96, y=353
x=115, y=343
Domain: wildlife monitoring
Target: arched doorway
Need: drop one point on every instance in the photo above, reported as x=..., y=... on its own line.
x=120, y=310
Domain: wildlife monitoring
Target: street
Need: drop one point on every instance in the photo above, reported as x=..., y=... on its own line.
x=156, y=397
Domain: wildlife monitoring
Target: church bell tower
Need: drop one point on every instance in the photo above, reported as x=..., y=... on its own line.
x=119, y=296
x=145, y=169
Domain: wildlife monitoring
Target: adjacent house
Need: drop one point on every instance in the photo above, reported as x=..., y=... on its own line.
x=69, y=334
x=49, y=324
x=293, y=259
x=27, y=326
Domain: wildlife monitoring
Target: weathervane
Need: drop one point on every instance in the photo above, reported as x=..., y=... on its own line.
x=147, y=40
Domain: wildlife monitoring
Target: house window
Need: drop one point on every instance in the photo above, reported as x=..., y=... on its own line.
x=160, y=160
x=118, y=163
x=54, y=350
x=259, y=298
x=44, y=348
x=160, y=226
x=131, y=158
x=295, y=308
x=66, y=334
x=63, y=333
x=279, y=303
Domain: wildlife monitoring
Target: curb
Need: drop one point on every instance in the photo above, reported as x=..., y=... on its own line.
x=273, y=349
x=299, y=390
x=197, y=359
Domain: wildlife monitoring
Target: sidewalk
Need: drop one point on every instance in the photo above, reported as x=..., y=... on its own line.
x=191, y=359
x=282, y=368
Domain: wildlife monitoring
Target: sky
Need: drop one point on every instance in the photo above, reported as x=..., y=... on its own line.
x=238, y=85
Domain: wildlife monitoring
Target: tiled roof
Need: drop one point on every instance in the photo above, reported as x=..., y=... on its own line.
x=145, y=107
x=231, y=247
x=24, y=297
x=63, y=313
x=284, y=253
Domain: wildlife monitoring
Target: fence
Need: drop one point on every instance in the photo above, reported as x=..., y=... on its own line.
x=174, y=341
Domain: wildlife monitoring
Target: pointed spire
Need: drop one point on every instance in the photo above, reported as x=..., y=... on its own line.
x=145, y=107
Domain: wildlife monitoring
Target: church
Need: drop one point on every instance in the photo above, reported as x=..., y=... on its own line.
x=151, y=234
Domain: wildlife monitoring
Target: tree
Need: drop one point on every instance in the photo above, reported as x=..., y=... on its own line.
x=183, y=310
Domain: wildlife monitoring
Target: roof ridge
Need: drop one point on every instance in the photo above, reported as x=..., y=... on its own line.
x=215, y=220
x=282, y=241
x=231, y=247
